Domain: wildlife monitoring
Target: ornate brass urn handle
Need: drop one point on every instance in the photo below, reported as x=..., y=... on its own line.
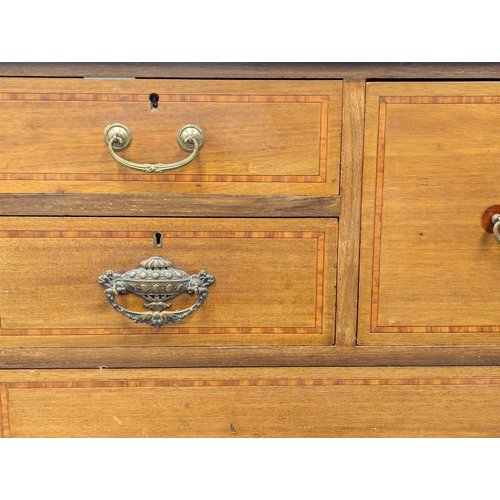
x=119, y=137
x=157, y=281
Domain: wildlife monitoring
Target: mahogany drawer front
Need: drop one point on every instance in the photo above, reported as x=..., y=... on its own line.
x=262, y=137
x=275, y=281
x=310, y=402
x=429, y=272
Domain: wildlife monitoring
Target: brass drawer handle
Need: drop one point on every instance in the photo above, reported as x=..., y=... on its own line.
x=157, y=281
x=119, y=137
x=490, y=221
x=496, y=226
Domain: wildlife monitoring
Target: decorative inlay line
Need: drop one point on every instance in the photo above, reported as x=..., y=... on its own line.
x=317, y=329
x=437, y=329
x=83, y=96
x=214, y=330
x=322, y=100
x=250, y=383
x=441, y=99
x=4, y=411
x=320, y=267
x=377, y=227
x=166, y=234
x=160, y=177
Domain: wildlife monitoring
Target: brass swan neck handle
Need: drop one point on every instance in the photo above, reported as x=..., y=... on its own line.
x=118, y=137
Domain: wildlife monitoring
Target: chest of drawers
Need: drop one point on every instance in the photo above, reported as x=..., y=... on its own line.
x=351, y=283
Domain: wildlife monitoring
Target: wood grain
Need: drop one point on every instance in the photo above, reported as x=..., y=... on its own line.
x=262, y=373
x=256, y=136
x=49, y=117
x=275, y=70
x=291, y=295
x=275, y=356
x=255, y=403
x=433, y=271
x=168, y=205
x=350, y=220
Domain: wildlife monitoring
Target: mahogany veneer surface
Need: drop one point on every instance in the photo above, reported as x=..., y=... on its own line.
x=369, y=402
x=429, y=272
x=274, y=280
x=261, y=137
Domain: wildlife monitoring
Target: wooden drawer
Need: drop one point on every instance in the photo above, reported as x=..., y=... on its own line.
x=309, y=402
x=429, y=272
x=274, y=284
x=262, y=137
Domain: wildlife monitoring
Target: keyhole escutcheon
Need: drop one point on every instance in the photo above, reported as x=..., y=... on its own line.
x=157, y=239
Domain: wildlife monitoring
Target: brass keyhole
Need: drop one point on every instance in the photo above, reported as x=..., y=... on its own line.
x=158, y=240
x=153, y=101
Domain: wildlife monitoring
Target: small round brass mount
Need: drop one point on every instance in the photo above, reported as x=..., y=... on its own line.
x=186, y=135
x=121, y=132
